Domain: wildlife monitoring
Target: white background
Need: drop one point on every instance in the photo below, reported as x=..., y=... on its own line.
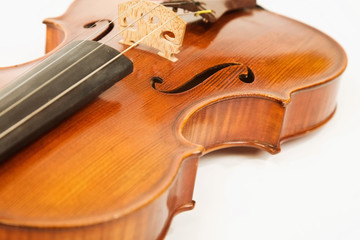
x=311, y=190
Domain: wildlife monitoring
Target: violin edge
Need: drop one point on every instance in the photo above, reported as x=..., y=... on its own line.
x=299, y=90
x=184, y=179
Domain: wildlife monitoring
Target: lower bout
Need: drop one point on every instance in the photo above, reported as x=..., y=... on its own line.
x=146, y=223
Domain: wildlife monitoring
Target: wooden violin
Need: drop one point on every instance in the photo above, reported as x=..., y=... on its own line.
x=122, y=166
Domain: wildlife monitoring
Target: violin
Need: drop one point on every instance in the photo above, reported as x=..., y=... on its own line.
x=123, y=165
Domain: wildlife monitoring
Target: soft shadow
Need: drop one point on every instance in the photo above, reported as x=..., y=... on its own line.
x=240, y=153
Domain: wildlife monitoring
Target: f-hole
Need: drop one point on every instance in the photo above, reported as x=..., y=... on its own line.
x=100, y=24
x=248, y=77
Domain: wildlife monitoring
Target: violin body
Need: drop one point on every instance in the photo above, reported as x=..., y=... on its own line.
x=124, y=165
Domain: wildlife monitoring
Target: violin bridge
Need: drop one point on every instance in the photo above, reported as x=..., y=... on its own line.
x=144, y=17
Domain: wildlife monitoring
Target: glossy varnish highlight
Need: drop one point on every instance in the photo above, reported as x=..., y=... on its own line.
x=124, y=165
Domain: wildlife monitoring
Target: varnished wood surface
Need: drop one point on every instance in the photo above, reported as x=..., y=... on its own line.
x=74, y=200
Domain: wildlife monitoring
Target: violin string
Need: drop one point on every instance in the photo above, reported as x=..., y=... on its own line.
x=70, y=50
x=73, y=48
x=19, y=101
x=43, y=60
x=66, y=53
x=47, y=104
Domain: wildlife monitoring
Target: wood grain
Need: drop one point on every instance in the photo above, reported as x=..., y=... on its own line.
x=123, y=166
